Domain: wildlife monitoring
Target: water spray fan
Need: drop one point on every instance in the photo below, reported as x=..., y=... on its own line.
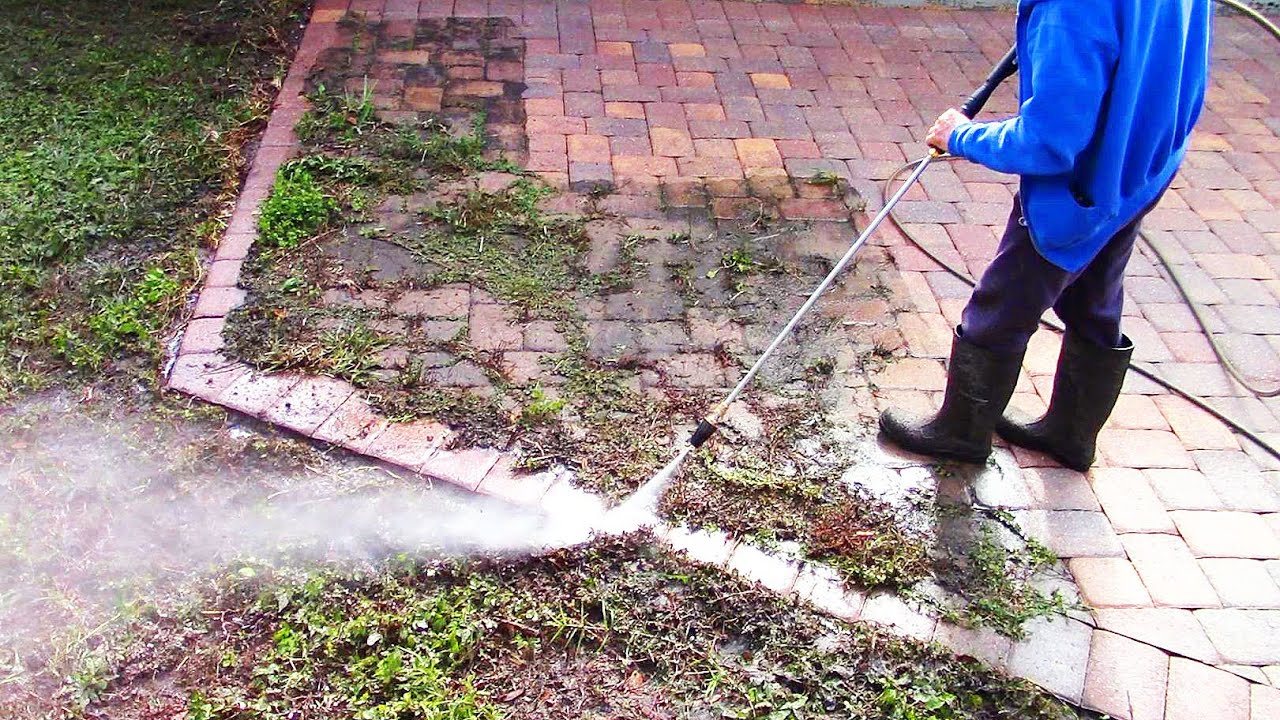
x=707, y=427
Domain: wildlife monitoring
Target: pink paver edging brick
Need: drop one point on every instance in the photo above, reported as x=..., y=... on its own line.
x=309, y=404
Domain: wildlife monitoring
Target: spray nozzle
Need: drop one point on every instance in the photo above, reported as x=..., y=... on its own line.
x=707, y=425
x=704, y=431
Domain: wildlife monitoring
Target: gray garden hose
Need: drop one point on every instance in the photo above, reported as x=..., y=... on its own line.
x=1196, y=311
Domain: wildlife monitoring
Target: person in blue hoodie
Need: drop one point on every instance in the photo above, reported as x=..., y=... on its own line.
x=1110, y=90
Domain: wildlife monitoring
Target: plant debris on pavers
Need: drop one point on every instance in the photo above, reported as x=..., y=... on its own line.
x=403, y=251
x=612, y=629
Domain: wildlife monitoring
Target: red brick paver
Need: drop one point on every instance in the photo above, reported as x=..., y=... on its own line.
x=1126, y=678
x=1109, y=583
x=1198, y=691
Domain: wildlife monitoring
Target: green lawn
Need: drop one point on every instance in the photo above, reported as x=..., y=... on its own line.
x=122, y=127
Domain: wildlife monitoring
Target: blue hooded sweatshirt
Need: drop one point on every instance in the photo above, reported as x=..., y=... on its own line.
x=1110, y=90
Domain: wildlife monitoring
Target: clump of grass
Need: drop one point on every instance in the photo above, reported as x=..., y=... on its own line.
x=738, y=261
x=297, y=210
x=681, y=273
x=343, y=122
x=406, y=659
x=120, y=323
x=359, y=158
x=338, y=118
x=504, y=243
x=335, y=344
x=824, y=178
x=434, y=144
x=737, y=265
x=339, y=169
x=915, y=697
x=999, y=582
x=588, y=377
x=540, y=409
x=347, y=352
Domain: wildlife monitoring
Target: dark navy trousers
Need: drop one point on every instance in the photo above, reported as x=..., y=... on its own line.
x=1019, y=285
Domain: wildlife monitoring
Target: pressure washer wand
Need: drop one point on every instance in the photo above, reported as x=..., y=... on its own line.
x=1007, y=66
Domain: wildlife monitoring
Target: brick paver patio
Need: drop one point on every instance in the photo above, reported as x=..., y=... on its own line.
x=1173, y=540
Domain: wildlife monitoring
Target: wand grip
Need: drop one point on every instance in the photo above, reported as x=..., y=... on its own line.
x=1007, y=66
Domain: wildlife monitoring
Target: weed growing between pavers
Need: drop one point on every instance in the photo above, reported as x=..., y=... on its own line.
x=297, y=210
x=502, y=242
x=614, y=629
x=121, y=127
x=1002, y=578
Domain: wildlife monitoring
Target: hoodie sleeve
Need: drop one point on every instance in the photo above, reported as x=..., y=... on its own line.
x=1071, y=50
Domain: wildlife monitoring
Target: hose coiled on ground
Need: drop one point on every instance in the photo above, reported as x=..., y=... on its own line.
x=1167, y=267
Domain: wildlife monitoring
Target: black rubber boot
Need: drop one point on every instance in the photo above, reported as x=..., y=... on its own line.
x=1085, y=391
x=979, y=384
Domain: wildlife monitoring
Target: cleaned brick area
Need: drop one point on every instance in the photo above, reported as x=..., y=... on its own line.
x=1173, y=538
x=1126, y=678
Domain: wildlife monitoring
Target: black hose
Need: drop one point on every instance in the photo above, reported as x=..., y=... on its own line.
x=1196, y=311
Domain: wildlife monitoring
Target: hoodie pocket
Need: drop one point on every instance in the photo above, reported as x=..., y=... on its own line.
x=1061, y=217
x=1081, y=197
